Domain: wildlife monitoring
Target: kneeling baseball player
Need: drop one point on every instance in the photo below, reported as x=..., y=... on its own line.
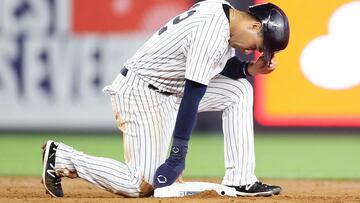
x=188, y=66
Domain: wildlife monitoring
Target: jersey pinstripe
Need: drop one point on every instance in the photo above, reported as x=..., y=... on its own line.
x=193, y=45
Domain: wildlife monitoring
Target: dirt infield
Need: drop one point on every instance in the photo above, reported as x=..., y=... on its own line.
x=29, y=189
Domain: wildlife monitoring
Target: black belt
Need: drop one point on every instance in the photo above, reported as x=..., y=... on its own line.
x=124, y=72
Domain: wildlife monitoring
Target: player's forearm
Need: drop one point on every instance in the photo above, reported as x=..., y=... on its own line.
x=169, y=171
x=188, y=109
x=235, y=68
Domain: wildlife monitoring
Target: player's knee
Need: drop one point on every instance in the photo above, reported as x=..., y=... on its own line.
x=242, y=90
x=135, y=190
x=146, y=189
x=129, y=191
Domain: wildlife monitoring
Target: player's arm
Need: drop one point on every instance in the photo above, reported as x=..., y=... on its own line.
x=188, y=109
x=187, y=113
x=173, y=167
x=235, y=68
x=261, y=67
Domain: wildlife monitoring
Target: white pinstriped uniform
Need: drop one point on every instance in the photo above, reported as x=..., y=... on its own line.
x=194, y=46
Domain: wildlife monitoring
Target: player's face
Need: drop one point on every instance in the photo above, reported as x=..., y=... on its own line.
x=249, y=40
x=251, y=45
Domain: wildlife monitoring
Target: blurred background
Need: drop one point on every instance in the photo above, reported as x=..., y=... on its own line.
x=57, y=55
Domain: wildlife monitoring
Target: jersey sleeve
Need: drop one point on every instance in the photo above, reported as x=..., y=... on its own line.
x=205, y=48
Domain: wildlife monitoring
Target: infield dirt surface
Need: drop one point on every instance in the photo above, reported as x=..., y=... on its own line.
x=29, y=189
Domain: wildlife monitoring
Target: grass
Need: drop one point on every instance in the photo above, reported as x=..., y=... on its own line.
x=278, y=155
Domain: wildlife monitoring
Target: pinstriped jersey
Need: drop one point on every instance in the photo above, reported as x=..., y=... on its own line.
x=193, y=45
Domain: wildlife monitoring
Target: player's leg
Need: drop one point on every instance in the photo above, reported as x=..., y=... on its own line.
x=147, y=119
x=61, y=160
x=105, y=173
x=235, y=99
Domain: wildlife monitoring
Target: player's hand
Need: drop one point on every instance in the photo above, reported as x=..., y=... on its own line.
x=261, y=67
x=180, y=179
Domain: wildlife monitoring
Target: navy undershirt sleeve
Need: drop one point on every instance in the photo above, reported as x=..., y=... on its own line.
x=235, y=68
x=188, y=109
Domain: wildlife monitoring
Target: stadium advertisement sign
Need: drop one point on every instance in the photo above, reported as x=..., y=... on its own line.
x=55, y=59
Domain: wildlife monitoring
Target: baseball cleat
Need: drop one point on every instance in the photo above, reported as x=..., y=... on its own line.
x=50, y=179
x=257, y=189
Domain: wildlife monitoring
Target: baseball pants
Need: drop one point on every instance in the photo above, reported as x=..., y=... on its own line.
x=147, y=119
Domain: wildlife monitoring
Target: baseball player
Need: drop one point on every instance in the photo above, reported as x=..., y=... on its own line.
x=187, y=66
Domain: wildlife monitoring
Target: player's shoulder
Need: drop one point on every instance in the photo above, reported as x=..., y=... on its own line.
x=212, y=5
x=207, y=8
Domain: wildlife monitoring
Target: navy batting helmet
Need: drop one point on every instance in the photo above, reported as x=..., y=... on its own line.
x=275, y=28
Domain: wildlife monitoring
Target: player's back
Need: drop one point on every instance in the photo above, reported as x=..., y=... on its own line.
x=162, y=60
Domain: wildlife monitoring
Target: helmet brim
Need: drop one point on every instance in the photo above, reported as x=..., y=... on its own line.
x=267, y=54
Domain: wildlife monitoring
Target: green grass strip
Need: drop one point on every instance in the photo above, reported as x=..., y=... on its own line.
x=309, y=156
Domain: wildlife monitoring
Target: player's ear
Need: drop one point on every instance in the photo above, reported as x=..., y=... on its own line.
x=256, y=26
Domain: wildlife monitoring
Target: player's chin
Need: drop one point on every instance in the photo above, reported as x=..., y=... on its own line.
x=233, y=45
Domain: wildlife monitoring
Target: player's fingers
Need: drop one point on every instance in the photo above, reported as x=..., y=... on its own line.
x=272, y=62
x=180, y=178
x=271, y=66
x=267, y=71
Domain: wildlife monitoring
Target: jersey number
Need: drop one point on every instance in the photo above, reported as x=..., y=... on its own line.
x=178, y=19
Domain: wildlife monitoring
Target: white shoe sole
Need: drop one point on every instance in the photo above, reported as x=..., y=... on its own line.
x=258, y=194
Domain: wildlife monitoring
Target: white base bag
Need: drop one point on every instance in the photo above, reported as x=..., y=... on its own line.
x=191, y=188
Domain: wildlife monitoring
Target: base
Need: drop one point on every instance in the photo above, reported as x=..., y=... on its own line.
x=191, y=188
